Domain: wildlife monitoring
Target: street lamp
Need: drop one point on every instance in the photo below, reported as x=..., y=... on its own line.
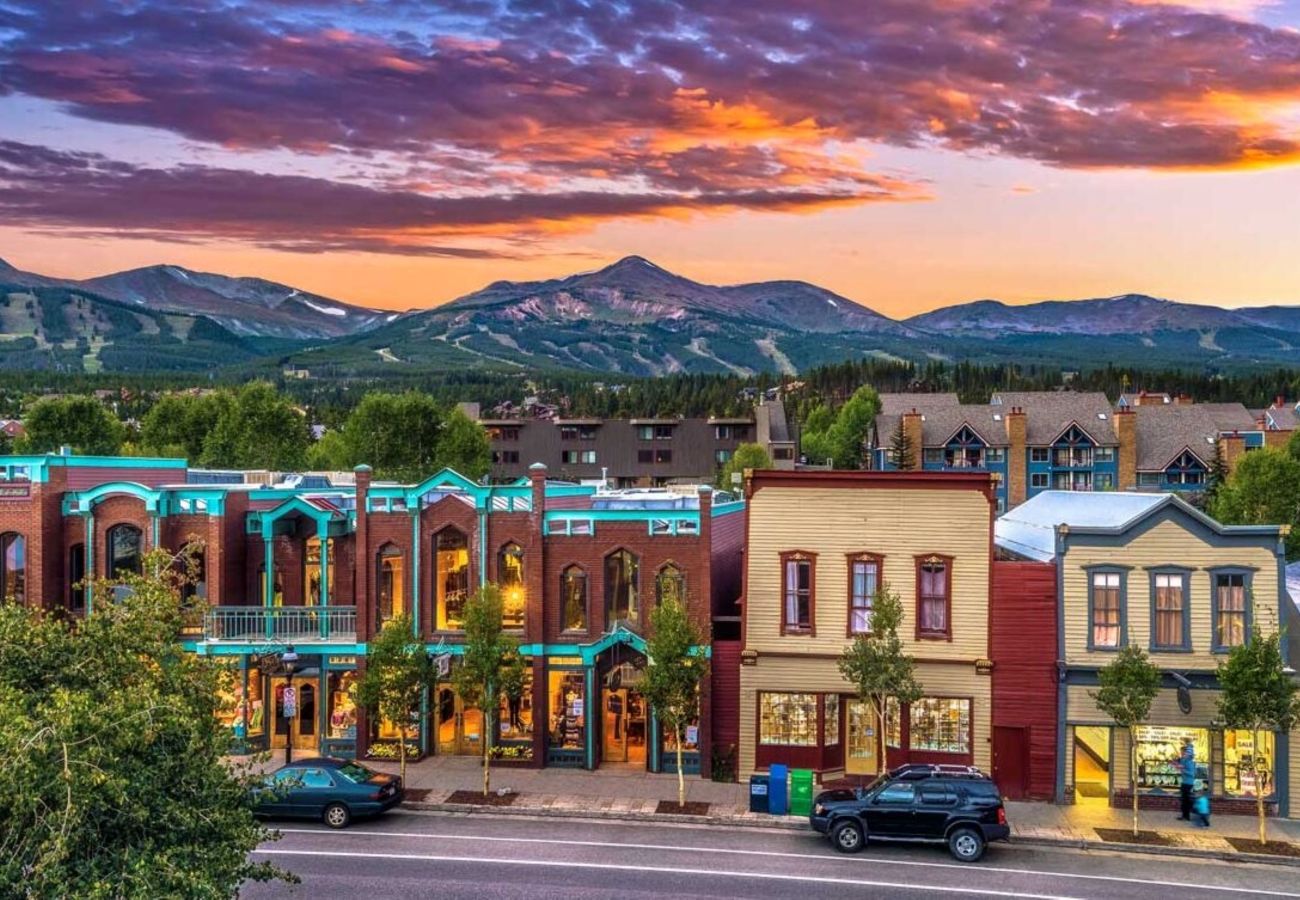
x=289, y=663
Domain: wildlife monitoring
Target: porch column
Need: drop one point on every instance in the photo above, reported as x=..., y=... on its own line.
x=90, y=573
x=323, y=535
x=416, y=552
x=590, y=711
x=268, y=574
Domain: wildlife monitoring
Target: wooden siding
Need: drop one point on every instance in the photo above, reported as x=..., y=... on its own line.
x=725, y=674
x=1167, y=544
x=896, y=523
x=1081, y=708
x=1022, y=620
x=821, y=675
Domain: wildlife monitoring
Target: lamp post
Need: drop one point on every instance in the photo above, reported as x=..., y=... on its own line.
x=289, y=663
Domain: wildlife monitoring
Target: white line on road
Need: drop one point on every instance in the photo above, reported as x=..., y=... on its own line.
x=673, y=870
x=965, y=867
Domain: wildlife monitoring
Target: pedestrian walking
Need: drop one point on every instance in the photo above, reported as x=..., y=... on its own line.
x=1201, y=810
x=1187, y=767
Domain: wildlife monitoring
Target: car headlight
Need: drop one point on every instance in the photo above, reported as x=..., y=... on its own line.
x=819, y=810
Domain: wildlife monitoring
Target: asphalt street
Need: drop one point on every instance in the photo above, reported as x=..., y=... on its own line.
x=407, y=855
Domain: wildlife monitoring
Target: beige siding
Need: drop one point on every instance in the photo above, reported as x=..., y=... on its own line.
x=1068, y=737
x=1293, y=765
x=1166, y=544
x=1120, y=760
x=1081, y=708
x=896, y=524
x=818, y=675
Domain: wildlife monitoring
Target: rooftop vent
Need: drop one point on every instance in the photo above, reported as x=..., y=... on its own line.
x=1101, y=416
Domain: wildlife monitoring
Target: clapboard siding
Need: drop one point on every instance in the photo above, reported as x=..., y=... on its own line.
x=1168, y=543
x=725, y=673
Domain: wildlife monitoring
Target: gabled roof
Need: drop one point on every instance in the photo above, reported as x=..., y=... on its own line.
x=1029, y=530
x=1163, y=432
x=1049, y=413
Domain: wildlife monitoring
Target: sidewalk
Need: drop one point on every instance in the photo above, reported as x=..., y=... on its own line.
x=632, y=793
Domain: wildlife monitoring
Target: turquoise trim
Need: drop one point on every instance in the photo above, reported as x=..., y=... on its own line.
x=570, y=490
x=89, y=574
x=557, y=521
x=415, y=573
x=593, y=705
x=518, y=495
x=202, y=648
x=79, y=502
x=726, y=509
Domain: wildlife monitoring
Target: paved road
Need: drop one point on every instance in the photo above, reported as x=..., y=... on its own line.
x=407, y=855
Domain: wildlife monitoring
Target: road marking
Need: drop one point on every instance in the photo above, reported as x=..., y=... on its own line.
x=675, y=870
x=965, y=867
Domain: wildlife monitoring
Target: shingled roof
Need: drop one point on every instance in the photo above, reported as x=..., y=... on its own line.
x=1163, y=432
x=1048, y=413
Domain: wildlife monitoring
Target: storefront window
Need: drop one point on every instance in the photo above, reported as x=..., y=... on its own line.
x=510, y=575
x=313, y=570
x=789, y=720
x=573, y=592
x=567, y=691
x=690, y=738
x=516, y=715
x=13, y=568
x=621, y=588
x=832, y=727
x=893, y=725
x=1248, y=767
x=391, y=584
x=342, y=705
x=231, y=705
x=452, y=578
x=940, y=725
x=1158, y=749
x=256, y=708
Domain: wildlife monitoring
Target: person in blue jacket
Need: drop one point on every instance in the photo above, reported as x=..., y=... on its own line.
x=1187, y=768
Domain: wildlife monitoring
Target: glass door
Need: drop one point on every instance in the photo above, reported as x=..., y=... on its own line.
x=862, y=741
x=615, y=714
x=294, y=724
x=460, y=728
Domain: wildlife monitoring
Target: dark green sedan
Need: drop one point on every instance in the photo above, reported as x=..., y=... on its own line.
x=331, y=790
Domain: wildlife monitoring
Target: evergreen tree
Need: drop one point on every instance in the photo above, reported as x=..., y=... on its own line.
x=902, y=455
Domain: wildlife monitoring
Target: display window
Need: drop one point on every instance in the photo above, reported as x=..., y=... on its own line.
x=256, y=705
x=342, y=705
x=567, y=690
x=690, y=738
x=451, y=573
x=831, y=735
x=788, y=720
x=893, y=724
x=1157, y=752
x=516, y=715
x=232, y=705
x=1248, y=763
x=940, y=725
x=312, y=565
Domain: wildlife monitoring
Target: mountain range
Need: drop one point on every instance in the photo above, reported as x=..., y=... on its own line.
x=632, y=317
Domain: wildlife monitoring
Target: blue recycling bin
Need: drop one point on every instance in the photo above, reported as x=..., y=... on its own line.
x=758, y=793
x=778, y=791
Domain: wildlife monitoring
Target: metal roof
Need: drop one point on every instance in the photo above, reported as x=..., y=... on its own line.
x=1030, y=528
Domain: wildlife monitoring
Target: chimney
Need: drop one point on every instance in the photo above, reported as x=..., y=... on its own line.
x=537, y=476
x=365, y=603
x=1232, y=447
x=1126, y=432
x=1279, y=401
x=1017, y=459
x=915, y=438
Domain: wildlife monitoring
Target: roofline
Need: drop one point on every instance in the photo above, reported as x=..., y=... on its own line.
x=1185, y=507
x=849, y=478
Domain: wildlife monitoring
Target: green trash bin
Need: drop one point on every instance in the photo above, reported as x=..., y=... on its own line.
x=801, y=792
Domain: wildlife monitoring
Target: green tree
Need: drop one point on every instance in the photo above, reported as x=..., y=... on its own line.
x=901, y=452
x=260, y=429
x=115, y=783
x=814, y=439
x=676, y=666
x=398, y=671
x=463, y=446
x=1264, y=490
x=330, y=453
x=1217, y=477
x=178, y=424
x=747, y=456
x=489, y=662
x=1128, y=686
x=82, y=423
x=1259, y=696
x=877, y=666
x=848, y=436
x=394, y=434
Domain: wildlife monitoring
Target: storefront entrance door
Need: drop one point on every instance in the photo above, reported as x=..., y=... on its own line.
x=624, y=726
x=862, y=740
x=299, y=729
x=460, y=728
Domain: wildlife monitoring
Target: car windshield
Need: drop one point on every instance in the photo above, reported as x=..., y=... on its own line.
x=355, y=772
x=880, y=779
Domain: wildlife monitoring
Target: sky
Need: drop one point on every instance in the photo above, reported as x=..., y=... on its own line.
x=908, y=154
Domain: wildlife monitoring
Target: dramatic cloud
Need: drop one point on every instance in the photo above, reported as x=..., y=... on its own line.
x=511, y=118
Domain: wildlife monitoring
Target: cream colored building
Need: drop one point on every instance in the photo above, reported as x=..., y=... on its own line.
x=819, y=545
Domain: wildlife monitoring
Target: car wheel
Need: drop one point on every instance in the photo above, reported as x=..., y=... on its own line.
x=337, y=816
x=966, y=845
x=848, y=838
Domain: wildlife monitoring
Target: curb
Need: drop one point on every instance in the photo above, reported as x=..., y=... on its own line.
x=794, y=825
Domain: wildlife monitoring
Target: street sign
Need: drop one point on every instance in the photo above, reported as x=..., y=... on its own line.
x=289, y=701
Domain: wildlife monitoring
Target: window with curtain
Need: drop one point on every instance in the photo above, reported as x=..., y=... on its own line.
x=670, y=584
x=797, y=593
x=573, y=593
x=864, y=581
x=1229, y=609
x=510, y=578
x=13, y=568
x=390, y=584
x=621, y=580
x=451, y=578
x=125, y=550
x=1106, y=625
x=932, y=588
x=1170, y=604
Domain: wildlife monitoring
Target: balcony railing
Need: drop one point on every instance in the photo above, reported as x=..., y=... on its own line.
x=280, y=623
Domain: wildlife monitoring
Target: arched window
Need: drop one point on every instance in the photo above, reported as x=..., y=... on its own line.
x=670, y=584
x=451, y=577
x=621, y=588
x=510, y=578
x=573, y=593
x=194, y=569
x=125, y=550
x=391, y=583
x=13, y=568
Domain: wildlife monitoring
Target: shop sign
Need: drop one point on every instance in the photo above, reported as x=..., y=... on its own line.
x=692, y=734
x=1184, y=699
x=15, y=490
x=343, y=660
x=983, y=667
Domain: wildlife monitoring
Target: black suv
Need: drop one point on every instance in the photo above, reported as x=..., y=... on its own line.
x=956, y=805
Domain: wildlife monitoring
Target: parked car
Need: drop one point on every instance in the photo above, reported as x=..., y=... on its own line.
x=955, y=805
x=332, y=790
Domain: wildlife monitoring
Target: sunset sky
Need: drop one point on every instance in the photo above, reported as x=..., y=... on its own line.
x=909, y=154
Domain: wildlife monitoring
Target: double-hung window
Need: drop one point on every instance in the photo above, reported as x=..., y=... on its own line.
x=1106, y=614
x=1231, y=607
x=934, y=597
x=1169, y=610
x=797, y=581
x=864, y=581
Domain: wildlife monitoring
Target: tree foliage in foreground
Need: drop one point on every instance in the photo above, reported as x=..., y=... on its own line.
x=398, y=671
x=1128, y=686
x=113, y=783
x=676, y=667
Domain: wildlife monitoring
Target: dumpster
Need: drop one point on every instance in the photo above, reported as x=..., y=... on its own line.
x=801, y=792
x=758, y=793
x=777, y=789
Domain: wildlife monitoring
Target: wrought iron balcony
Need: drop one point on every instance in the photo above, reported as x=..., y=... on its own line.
x=290, y=624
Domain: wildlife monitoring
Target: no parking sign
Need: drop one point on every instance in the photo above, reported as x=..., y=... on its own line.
x=289, y=701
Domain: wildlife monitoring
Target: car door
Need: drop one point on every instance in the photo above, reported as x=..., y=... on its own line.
x=890, y=811
x=282, y=784
x=934, y=804
x=317, y=790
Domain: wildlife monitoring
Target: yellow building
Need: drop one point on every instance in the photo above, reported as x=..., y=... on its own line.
x=819, y=545
x=1150, y=570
